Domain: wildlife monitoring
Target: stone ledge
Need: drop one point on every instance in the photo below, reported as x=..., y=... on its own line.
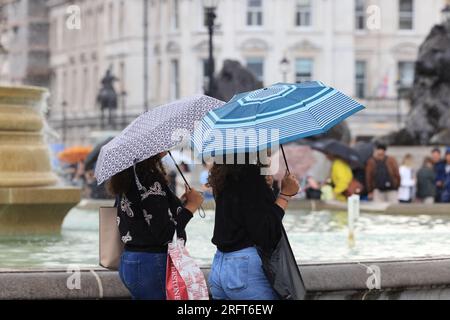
x=425, y=278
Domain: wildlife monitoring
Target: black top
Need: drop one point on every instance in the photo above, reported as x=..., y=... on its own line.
x=147, y=217
x=246, y=213
x=426, y=186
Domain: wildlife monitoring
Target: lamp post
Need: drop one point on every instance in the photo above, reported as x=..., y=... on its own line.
x=284, y=68
x=123, y=98
x=145, y=53
x=210, y=15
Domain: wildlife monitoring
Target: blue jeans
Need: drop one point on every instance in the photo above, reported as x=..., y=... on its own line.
x=239, y=275
x=144, y=274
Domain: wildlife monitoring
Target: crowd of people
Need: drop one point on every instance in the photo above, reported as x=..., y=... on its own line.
x=382, y=179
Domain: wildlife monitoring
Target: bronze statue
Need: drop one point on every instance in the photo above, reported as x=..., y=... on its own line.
x=107, y=97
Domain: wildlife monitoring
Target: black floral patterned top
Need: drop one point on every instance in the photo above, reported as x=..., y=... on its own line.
x=148, y=215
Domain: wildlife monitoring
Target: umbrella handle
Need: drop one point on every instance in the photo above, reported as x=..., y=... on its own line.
x=201, y=211
x=284, y=157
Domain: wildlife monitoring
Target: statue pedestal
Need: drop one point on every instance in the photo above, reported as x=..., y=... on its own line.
x=35, y=210
x=30, y=200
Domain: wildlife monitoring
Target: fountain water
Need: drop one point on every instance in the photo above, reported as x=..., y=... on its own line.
x=31, y=202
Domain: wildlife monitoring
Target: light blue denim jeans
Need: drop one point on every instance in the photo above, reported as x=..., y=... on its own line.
x=239, y=275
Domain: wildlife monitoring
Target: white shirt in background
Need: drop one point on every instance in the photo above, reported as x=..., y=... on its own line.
x=407, y=183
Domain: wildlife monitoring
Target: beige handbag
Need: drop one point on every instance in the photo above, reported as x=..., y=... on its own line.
x=110, y=245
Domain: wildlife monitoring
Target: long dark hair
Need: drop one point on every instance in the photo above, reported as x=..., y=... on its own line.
x=223, y=173
x=147, y=171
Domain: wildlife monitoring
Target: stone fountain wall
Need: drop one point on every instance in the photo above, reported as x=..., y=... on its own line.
x=30, y=200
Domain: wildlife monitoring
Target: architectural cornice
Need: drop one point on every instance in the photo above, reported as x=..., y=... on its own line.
x=304, y=45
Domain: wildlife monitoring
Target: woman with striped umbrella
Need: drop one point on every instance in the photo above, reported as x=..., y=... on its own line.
x=248, y=231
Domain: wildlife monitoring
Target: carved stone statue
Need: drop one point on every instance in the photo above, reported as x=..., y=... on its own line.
x=233, y=79
x=429, y=119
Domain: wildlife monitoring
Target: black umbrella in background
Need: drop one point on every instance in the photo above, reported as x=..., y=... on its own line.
x=364, y=150
x=91, y=159
x=340, y=150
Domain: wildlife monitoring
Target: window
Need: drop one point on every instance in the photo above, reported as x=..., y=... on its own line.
x=405, y=15
x=303, y=70
x=174, y=79
x=254, y=13
x=303, y=13
x=360, y=14
x=406, y=73
x=360, y=79
x=256, y=66
x=175, y=15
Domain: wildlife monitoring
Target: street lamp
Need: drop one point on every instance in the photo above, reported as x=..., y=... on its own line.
x=284, y=68
x=123, y=98
x=210, y=15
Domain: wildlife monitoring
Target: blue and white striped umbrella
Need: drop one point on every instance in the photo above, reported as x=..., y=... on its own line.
x=293, y=111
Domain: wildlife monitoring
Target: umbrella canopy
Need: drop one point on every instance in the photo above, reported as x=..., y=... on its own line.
x=364, y=150
x=155, y=131
x=92, y=157
x=74, y=154
x=293, y=110
x=338, y=149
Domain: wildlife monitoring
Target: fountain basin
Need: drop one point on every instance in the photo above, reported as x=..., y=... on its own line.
x=36, y=210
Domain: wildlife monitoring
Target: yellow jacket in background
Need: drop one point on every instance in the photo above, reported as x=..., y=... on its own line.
x=341, y=176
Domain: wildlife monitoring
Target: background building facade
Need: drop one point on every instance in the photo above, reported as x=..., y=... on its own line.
x=24, y=36
x=366, y=48
x=109, y=35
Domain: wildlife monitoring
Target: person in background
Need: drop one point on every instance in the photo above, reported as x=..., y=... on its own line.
x=439, y=169
x=341, y=176
x=382, y=176
x=78, y=179
x=426, y=185
x=407, y=180
x=203, y=179
x=179, y=181
x=172, y=181
x=312, y=189
x=444, y=178
x=326, y=190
